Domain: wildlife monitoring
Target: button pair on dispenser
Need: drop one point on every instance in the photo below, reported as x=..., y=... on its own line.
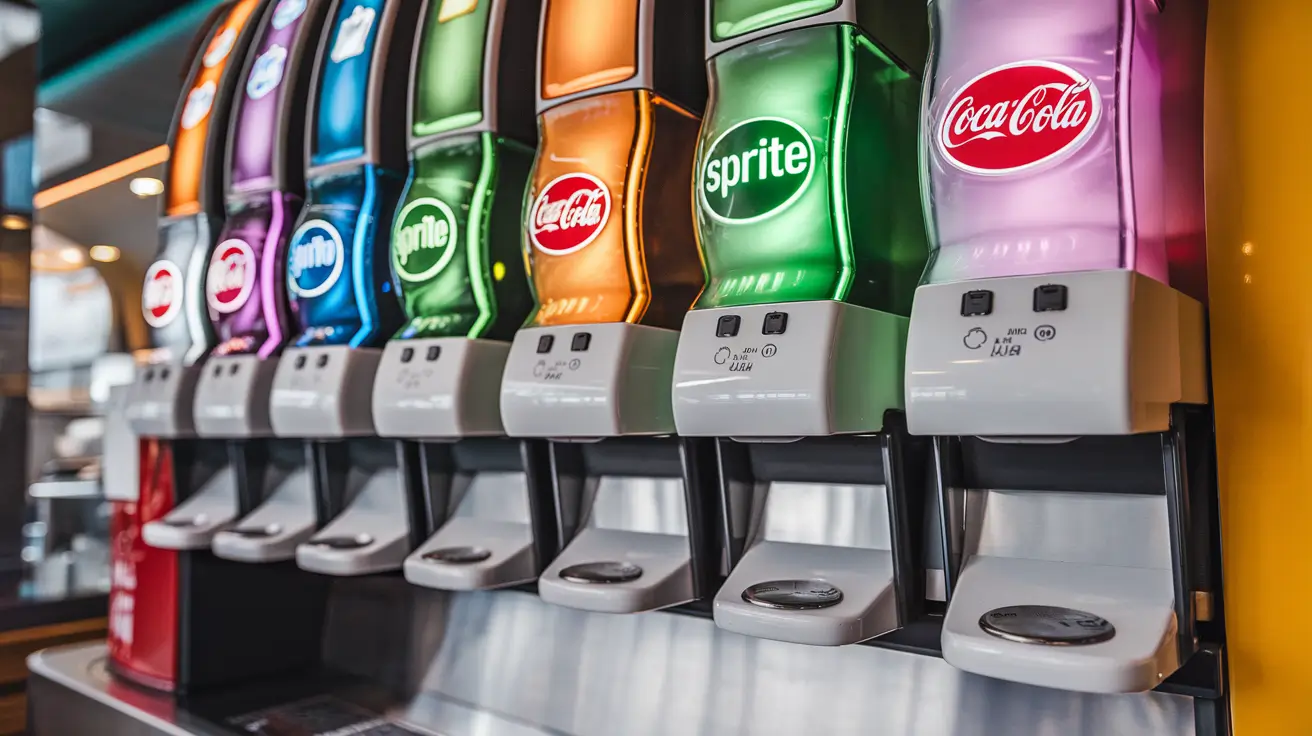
x=321, y=362
x=579, y=344
x=775, y=324
x=1047, y=298
x=434, y=352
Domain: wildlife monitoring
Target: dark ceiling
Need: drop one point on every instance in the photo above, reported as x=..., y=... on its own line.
x=73, y=30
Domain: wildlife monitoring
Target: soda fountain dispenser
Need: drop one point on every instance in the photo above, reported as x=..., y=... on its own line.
x=244, y=293
x=342, y=295
x=185, y=620
x=1051, y=330
x=613, y=262
x=807, y=211
x=455, y=255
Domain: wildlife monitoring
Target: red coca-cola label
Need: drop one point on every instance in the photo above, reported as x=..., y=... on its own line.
x=231, y=276
x=161, y=297
x=570, y=212
x=1018, y=116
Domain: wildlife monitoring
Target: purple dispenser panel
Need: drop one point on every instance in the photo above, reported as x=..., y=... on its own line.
x=244, y=285
x=1045, y=140
x=260, y=100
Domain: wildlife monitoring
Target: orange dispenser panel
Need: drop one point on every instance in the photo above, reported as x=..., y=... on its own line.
x=610, y=227
x=589, y=44
x=187, y=161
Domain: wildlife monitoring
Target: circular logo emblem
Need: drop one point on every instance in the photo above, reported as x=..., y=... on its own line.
x=231, y=276
x=755, y=169
x=266, y=72
x=1018, y=116
x=570, y=212
x=286, y=12
x=425, y=239
x=220, y=47
x=315, y=261
x=161, y=297
x=199, y=102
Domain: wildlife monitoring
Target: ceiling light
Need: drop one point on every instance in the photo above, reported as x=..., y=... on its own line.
x=146, y=186
x=14, y=222
x=71, y=255
x=104, y=253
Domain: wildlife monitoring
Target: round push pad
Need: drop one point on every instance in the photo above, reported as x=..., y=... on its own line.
x=257, y=532
x=793, y=595
x=184, y=523
x=601, y=573
x=458, y=555
x=356, y=542
x=1050, y=625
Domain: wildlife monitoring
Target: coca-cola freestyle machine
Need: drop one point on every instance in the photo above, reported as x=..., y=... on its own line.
x=344, y=301
x=1060, y=329
x=455, y=254
x=614, y=264
x=244, y=291
x=807, y=211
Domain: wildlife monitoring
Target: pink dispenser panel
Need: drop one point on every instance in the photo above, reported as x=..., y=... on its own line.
x=1044, y=138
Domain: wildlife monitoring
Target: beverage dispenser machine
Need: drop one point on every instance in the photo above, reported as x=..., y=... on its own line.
x=455, y=254
x=167, y=631
x=244, y=291
x=344, y=302
x=613, y=262
x=1052, y=331
x=807, y=211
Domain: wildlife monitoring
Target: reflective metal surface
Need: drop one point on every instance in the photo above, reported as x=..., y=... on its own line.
x=601, y=573
x=1089, y=528
x=652, y=505
x=838, y=516
x=507, y=664
x=1047, y=625
x=794, y=595
x=494, y=496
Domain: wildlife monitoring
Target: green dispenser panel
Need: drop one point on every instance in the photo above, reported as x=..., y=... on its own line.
x=807, y=173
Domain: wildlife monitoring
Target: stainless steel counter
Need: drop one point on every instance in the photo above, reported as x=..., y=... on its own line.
x=508, y=664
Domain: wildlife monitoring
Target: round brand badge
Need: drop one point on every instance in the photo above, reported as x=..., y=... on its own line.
x=161, y=296
x=314, y=262
x=1017, y=116
x=755, y=169
x=231, y=276
x=425, y=239
x=571, y=212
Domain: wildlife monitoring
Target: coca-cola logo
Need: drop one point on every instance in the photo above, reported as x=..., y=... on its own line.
x=1018, y=116
x=161, y=297
x=231, y=276
x=571, y=212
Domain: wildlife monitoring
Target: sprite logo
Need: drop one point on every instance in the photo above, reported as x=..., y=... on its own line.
x=425, y=239
x=755, y=169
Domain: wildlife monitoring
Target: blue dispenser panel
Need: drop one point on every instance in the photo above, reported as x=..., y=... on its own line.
x=339, y=125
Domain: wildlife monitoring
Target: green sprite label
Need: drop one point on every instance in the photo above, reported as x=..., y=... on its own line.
x=425, y=239
x=755, y=169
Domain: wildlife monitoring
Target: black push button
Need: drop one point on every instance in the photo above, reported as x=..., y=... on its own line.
x=232, y=368
x=580, y=342
x=545, y=342
x=407, y=355
x=218, y=371
x=322, y=361
x=163, y=374
x=728, y=326
x=976, y=303
x=433, y=352
x=1050, y=298
x=775, y=323
x=300, y=362
x=150, y=374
